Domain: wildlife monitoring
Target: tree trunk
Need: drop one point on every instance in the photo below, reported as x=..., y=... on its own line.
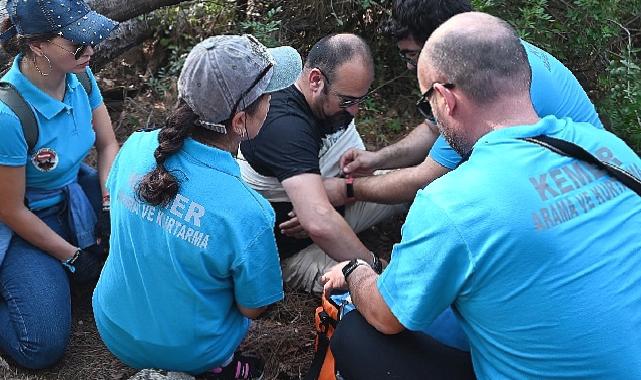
x=122, y=10
x=119, y=10
x=128, y=34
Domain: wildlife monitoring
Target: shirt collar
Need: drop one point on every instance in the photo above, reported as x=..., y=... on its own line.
x=211, y=157
x=38, y=99
x=549, y=125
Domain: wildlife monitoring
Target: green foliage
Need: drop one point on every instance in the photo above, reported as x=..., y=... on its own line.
x=598, y=40
x=183, y=27
x=623, y=79
x=264, y=29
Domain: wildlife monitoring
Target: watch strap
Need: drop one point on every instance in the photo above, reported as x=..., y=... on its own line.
x=351, y=266
x=349, y=188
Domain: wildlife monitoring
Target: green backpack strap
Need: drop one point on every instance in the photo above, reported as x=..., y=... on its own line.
x=12, y=98
x=84, y=80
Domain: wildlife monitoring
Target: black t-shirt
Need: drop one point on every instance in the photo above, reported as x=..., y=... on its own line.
x=288, y=144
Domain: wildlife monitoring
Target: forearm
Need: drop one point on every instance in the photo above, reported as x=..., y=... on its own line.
x=324, y=225
x=336, y=238
x=399, y=186
x=369, y=302
x=32, y=229
x=106, y=144
x=106, y=156
x=410, y=150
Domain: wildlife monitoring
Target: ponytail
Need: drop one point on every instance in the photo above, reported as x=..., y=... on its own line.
x=10, y=45
x=160, y=186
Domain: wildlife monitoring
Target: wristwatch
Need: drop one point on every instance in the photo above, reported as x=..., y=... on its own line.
x=353, y=264
x=349, y=188
x=377, y=264
x=69, y=263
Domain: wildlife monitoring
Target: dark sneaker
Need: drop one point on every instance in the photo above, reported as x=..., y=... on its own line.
x=242, y=367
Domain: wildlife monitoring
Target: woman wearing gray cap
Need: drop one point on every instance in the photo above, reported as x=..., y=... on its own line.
x=51, y=114
x=193, y=256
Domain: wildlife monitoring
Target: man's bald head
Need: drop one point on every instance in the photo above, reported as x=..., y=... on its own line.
x=480, y=54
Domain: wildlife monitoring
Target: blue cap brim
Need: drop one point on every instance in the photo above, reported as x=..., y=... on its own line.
x=91, y=29
x=286, y=69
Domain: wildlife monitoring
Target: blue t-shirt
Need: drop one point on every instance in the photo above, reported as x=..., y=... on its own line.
x=65, y=131
x=167, y=295
x=554, y=91
x=538, y=254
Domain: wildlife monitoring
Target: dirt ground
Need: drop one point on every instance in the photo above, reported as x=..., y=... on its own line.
x=283, y=336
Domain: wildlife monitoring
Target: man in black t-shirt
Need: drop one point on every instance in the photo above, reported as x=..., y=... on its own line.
x=308, y=127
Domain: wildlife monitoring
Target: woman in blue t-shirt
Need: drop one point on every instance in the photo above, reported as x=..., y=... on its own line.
x=49, y=200
x=193, y=256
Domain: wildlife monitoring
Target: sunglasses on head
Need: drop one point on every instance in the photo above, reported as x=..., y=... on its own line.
x=79, y=50
x=423, y=105
x=346, y=101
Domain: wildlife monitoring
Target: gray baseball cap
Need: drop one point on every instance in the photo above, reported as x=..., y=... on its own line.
x=224, y=72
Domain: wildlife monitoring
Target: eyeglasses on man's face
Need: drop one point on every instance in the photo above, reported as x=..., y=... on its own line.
x=409, y=56
x=423, y=105
x=78, y=50
x=345, y=101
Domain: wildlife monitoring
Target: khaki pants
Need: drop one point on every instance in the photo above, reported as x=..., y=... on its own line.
x=303, y=270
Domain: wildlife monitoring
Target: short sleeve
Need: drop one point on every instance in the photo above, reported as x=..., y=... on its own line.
x=443, y=153
x=428, y=267
x=13, y=147
x=95, y=98
x=284, y=148
x=257, y=276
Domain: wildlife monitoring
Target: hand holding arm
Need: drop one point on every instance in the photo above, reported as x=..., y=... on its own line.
x=410, y=150
x=359, y=163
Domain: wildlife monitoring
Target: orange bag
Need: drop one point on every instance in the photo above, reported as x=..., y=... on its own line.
x=326, y=319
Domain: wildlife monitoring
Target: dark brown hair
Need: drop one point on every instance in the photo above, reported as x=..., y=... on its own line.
x=20, y=43
x=160, y=186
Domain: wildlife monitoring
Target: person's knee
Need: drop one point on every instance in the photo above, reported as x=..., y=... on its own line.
x=303, y=270
x=345, y=340
x=38, y=355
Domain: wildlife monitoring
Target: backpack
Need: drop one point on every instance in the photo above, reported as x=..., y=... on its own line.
x=10, y=96
x=326, y=318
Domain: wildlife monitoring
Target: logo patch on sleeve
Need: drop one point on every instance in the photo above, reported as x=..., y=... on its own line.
x=45, y=159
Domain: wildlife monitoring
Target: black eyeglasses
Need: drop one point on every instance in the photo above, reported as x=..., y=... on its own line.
x=346, y=101
x=254, y=84
x=409, y=56
x=423, y=105
x=77, y=53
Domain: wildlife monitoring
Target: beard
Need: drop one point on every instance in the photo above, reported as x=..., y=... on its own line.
x=456, y=140
x=338, y=121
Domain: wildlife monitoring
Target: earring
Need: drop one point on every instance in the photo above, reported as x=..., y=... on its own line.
x=38, y=68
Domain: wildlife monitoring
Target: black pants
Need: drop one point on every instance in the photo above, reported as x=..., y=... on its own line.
x=361, y=352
